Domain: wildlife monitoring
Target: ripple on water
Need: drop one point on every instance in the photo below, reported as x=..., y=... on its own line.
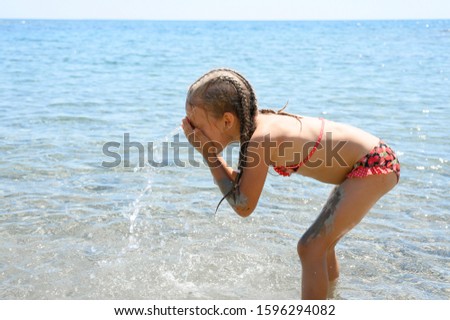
x=71, y=228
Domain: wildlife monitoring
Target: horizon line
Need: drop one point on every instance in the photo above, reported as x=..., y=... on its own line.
x=230, y=20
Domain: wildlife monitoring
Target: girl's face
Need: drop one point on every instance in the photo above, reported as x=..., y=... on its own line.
x=222, y=130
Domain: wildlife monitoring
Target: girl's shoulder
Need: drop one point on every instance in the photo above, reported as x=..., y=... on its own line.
x=276, y=126
x=265, y=127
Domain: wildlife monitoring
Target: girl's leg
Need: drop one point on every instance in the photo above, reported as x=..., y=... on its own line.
x=344, y=209
x=332, y=264
x=333, y=270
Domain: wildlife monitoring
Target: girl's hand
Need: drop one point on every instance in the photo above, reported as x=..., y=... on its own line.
x=199, y=140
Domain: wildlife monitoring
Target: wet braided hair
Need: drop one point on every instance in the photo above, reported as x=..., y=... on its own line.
x=225, y=90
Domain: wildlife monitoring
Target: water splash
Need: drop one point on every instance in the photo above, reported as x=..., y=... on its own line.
x=138, y=204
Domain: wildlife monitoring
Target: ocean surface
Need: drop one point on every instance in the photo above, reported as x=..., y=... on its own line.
x=75, y=226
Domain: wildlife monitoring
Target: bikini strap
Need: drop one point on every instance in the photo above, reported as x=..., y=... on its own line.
x=319, y=139
x=295, y=167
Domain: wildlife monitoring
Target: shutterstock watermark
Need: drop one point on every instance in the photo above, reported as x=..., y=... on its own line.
x=182, y=153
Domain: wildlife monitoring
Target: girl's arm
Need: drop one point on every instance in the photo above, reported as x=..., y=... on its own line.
x=244, y=198
x=230, y=172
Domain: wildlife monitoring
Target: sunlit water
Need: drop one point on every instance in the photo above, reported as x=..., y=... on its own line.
x=74, y=229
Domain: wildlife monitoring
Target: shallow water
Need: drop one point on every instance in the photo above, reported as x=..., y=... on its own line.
x=73, y=229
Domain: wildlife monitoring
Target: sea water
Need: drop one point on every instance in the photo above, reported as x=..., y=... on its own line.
x=72, y=228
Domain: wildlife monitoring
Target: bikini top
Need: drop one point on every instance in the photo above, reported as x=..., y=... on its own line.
x=283, y=170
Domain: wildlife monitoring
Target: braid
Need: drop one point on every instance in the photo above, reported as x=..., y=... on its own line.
x=242, y=102
x=246, y=120
x=247, y=127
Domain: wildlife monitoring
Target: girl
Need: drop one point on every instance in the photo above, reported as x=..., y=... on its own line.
x=221, y=108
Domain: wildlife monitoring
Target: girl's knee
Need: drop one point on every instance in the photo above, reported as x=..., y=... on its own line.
x=303, y=249
x=311, y=249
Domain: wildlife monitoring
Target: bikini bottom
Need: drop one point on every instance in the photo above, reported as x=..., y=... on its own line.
x=380, y=160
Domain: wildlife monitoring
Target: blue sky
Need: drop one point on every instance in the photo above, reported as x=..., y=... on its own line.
x=226, y=9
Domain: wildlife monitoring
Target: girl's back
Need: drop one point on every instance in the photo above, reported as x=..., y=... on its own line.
x=292, y=139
